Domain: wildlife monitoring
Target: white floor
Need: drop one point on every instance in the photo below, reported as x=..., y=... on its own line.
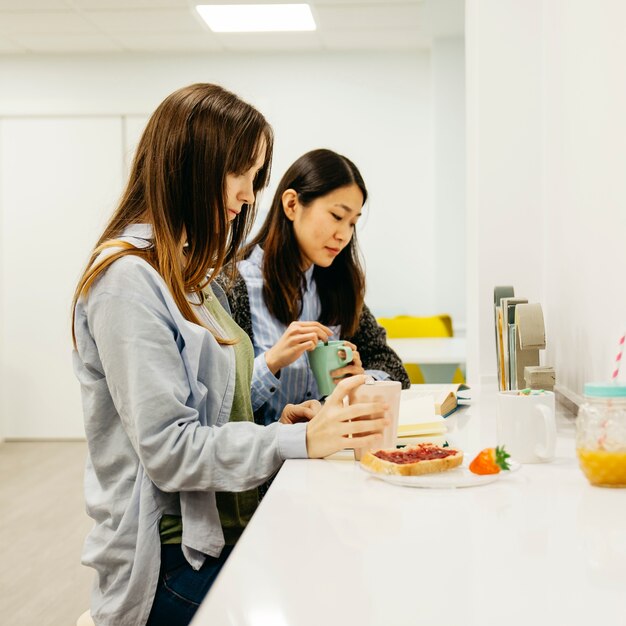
x=42, y=528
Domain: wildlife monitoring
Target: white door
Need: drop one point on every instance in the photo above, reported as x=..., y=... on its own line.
x=59, y=181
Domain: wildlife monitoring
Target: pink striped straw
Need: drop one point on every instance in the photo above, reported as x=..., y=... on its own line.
x=618, y=358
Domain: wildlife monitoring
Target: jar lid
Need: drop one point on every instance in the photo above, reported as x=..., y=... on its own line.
x=605, y=390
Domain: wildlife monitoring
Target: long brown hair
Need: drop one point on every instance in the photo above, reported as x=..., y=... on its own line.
x=341, y=285
x=196, y=136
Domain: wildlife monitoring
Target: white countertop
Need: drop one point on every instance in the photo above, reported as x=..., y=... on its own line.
x=430, y=350
x=330, y=544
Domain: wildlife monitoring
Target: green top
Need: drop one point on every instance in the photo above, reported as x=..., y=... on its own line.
x=235, y=509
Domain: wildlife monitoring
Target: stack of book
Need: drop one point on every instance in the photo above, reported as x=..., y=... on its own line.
x=520, y=335
x=423, y=409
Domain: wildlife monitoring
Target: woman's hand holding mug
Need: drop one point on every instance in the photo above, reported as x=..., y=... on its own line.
x=337, y=427
x=295, y=341
x=354, y=368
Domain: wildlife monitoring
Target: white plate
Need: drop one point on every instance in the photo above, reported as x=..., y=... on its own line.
x=451, y=479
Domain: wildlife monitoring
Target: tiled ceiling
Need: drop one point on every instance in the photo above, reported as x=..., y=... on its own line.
x=92, y=26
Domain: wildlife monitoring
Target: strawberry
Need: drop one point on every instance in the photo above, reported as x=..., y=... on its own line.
x=490, y=461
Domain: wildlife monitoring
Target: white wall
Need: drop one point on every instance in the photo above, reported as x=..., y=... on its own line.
x=448, y=262
x=546, y=188
x=505, y=234
x=376, y=108
x=585, y=186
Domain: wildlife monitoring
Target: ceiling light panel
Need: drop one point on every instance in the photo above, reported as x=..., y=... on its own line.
x=239, y=18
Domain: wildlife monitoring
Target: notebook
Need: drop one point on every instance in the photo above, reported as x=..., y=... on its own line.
x=417, y=416
x=444, y=396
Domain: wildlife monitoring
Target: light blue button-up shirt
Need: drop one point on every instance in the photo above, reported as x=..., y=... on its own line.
x=296, y=382
x=157, y=393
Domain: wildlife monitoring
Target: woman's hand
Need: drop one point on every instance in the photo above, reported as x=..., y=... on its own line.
x=353, y=368
x=329, y=431
x=294, y=413
x=295, y=341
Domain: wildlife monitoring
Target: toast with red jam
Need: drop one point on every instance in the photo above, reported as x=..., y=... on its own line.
x=424, y=458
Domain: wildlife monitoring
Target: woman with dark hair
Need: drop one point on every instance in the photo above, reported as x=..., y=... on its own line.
x=174, y=458
x=301, y=281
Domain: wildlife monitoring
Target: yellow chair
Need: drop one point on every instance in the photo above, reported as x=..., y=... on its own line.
x=403, y=326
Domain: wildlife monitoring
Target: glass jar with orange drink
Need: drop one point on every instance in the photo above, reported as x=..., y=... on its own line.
x=601, y=434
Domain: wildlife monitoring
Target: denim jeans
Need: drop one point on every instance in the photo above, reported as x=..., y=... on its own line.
x=181, y=589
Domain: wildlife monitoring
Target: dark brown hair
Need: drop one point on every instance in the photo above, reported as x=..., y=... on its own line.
x=341, y=286
x=196, y=136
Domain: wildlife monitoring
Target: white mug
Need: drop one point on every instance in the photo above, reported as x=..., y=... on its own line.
x=526, y=425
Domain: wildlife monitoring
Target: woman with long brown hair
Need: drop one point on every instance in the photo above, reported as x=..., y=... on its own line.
x=174, y=457
x=301, y=282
